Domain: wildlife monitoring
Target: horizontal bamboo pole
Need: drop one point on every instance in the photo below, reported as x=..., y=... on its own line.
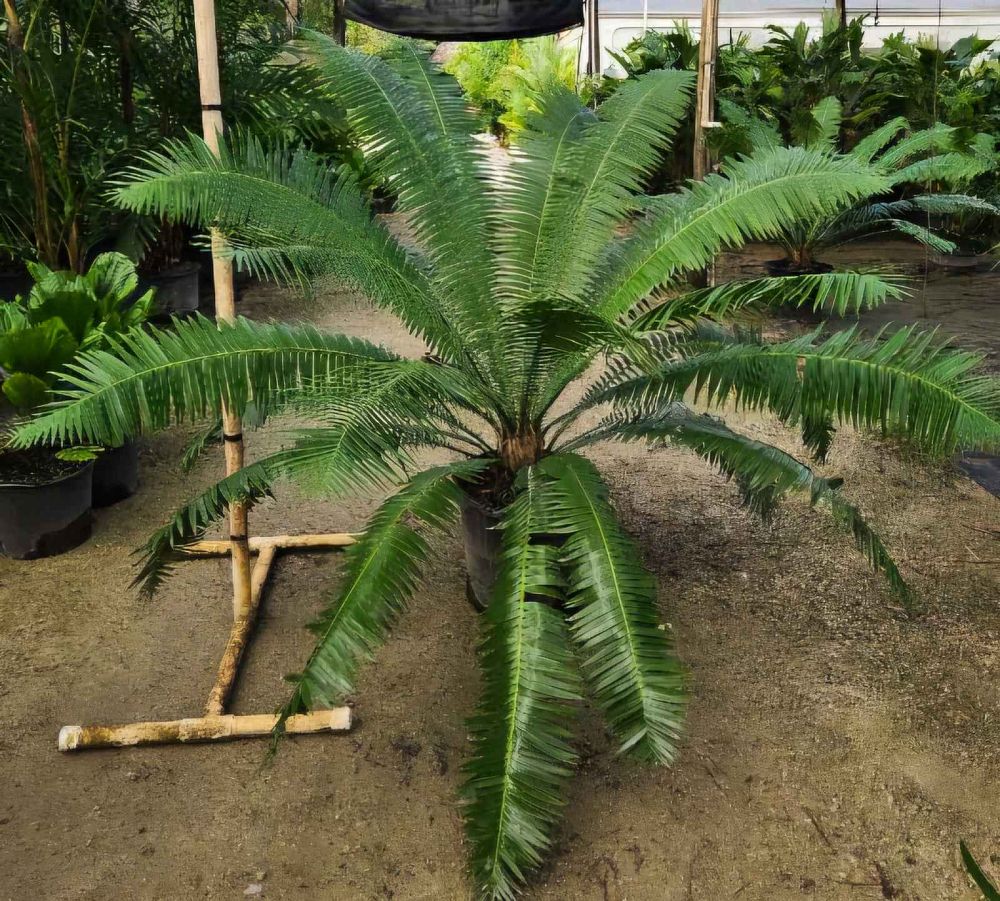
x=209, y=728
x=281, y=542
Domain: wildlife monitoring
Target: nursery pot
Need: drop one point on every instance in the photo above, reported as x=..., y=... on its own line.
x=483, y=544
x=116, y=474
x=482, y=550
x=784, y=266
x=961, y=262
x=14, y=282
x=46, y=519
x=177, y=290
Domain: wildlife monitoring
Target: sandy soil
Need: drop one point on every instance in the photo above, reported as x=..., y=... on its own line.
x=835, y=748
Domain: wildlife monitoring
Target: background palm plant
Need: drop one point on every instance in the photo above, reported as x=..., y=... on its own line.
x=524, y=276
x=925, y=170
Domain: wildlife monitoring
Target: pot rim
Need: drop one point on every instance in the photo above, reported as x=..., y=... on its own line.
x=178, y=270
x=56, y=481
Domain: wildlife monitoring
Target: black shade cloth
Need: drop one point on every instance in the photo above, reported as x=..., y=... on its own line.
x=467, y=20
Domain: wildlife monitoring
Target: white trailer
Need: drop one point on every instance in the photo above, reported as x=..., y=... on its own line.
x=623, y=20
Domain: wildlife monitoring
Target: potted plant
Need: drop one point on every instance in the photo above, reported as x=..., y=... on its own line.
x=108, y=303
x=522, y=279
x=45, y=498
x=941, y=161
x=47, y=494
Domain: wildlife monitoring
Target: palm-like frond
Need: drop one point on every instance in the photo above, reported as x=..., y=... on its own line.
x=436, y=179
x=839, y=293
x=907, y=384
x=383, y=570
x=868, y=219
x=626, y=657
x=522, y=756
x=870, y=146
x=249, y=486
x=758, y=198
x=368, y=449
x=290, y=216
x=602, y=176
x=157, y=378
x=764, y=473
x=439, y=92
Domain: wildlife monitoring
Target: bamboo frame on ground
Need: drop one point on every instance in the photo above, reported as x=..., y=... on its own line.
x=248, y=585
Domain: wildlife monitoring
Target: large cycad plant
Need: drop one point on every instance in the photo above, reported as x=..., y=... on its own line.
x=526, y=274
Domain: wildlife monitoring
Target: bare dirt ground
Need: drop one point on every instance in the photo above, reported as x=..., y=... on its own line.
x=835, y=748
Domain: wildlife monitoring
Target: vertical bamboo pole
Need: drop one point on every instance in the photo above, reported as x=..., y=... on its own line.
x=339, y=23
x=841, y=7
x=594, y=38
x=225, y=299
x=704, y=113
x=292, y=14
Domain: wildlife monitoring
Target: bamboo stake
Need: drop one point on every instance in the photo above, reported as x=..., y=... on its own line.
x=209, y=728
x=239, y=637
x=841, y=7
x=281, y=542
x=704, y=115
x=225, y=300
x=339, y=23
x=593, y=38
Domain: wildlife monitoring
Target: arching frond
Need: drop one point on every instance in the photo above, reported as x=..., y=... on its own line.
x=605, y=173
x=627, y=659
x=824, y=133
x=870, y=146
x=157, y=556
x=758, y=198
x=531, y=196
x=839, y=293
x=907, y=384
x=160, y=377
x=522, y=757
x=436, y=179
x=439, y=92
x=764, y=473
x=366, y=449
x=289, y=216
x=382, y=571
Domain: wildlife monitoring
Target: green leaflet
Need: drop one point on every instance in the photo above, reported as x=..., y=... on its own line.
x=626, y=657
x=382, y=571
x=522, y=758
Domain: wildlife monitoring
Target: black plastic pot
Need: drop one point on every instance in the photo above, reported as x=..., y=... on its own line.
x=178, y=292
x=784, y=266
x=116, y=475
x=961, y=261
x=483, y=545
x=45, y=520
x=15, y=282
x=482, y=550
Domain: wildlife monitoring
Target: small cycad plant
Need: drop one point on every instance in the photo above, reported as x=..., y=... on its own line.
x=526, y=274
x=929, y=173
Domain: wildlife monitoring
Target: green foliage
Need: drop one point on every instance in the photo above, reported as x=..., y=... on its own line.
x=522, y=755
x=626, y=657
x=520, y=278
x=64, y=315
x=383, y=571
x=983, y=882
x=505, y=79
